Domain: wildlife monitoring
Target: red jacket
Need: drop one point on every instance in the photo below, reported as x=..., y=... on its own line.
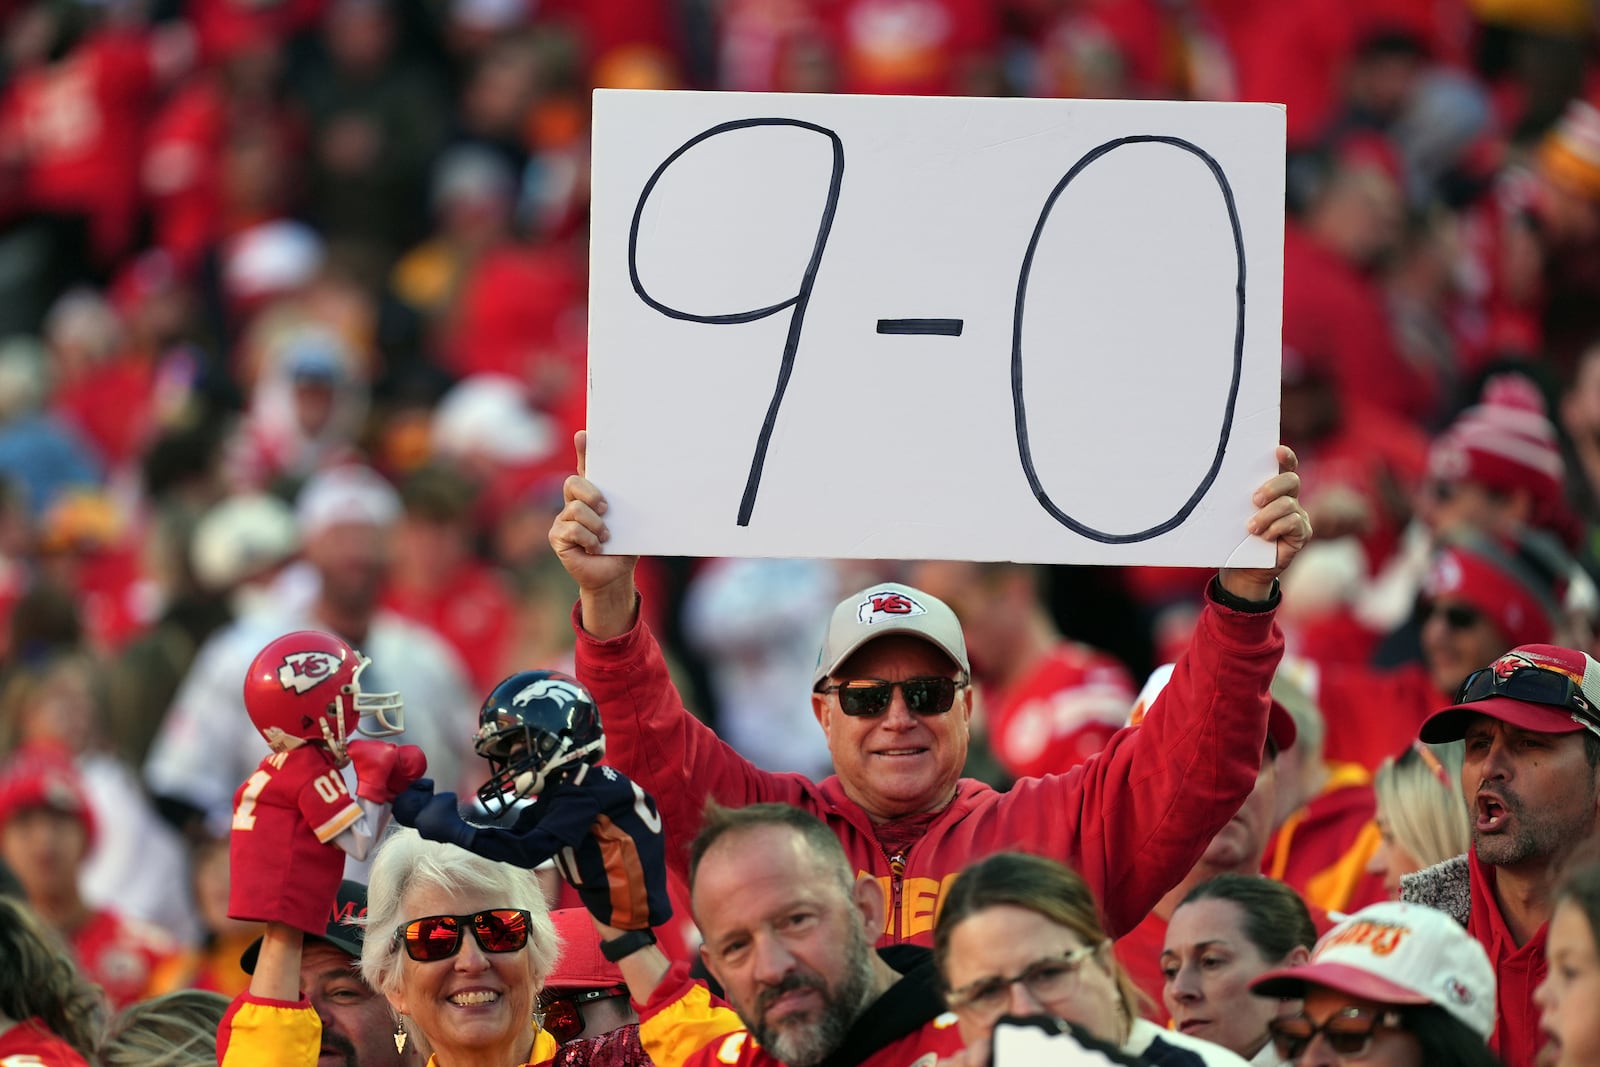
x=1131, y=820
x=1518, y=970
x=1322, y=850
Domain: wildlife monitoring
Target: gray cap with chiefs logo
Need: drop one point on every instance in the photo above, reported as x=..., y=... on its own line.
x=889, y=608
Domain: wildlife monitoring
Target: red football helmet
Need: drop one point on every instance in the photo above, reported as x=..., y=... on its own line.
x=306, y=686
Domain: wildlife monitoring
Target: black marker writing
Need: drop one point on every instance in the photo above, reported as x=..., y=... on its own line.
x=1023, y=450
x=798, y=302
x=922, y=327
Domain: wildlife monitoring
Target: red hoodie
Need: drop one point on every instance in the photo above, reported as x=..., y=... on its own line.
x=1132, y=820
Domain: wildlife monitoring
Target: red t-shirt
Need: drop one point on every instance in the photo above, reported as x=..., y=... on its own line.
x=473, y=610
x=911, y=47
x=79, y=127
x=126, y=957
x=29, y=1044
x=1061, y=713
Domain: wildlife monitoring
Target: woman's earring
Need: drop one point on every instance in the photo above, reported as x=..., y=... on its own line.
x=399, y=1035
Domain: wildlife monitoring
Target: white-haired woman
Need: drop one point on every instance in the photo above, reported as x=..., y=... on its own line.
x=459, y=945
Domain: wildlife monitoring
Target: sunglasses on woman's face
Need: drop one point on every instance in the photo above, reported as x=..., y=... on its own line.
x=1348, y=1032
x=563, y=1014
x=438, y=937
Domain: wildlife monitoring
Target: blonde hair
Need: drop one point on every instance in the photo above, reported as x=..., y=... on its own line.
x=177, y=1030
x=1419, y=796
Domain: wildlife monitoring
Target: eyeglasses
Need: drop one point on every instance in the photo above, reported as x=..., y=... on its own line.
x=1046, y=980
x=563, y=1015
x=438, y=937
x=1457, y=617
x=1348, y=1032
x=867, y=697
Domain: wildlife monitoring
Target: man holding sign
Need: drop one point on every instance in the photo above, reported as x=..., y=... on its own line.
x=893, y=696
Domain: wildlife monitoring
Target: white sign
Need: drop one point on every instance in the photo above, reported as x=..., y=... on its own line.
x=917, y=328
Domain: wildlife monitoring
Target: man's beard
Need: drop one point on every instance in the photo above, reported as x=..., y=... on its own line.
x=805, y=1044
x=339, y=1045
x=1537, y=835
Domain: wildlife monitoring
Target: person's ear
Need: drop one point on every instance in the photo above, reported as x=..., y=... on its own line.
x=822, y=708
x=868, y=895
x=1297, y=956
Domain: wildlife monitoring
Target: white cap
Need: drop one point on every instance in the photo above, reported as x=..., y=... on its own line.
x=350, y=493
x=889, y=608
x=489, y=415
x=272, y=257
x=1398, y=953
x=241, y=537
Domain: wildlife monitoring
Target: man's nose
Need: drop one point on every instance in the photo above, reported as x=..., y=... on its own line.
x=773, y=961
x=899, y=716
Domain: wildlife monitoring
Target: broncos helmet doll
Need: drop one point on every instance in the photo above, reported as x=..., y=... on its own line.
x=535, y=728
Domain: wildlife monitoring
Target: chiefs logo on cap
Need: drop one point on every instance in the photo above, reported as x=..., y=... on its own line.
x=302, y=670
x=887, y=604
x=1510, y=664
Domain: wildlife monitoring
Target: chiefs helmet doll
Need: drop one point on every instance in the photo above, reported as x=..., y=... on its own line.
x=535, y=728
x=306, y=687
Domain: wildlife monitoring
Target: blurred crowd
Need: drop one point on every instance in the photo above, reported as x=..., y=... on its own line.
x=292, y=333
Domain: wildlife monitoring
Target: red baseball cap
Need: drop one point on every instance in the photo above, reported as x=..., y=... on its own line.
x=581, y=967
x=39, y=777
x=1544, y=688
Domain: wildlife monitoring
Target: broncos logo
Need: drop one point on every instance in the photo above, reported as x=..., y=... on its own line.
x=545, y=687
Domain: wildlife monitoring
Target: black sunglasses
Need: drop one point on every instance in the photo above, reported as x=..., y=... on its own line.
x=1348, y=1032
x=1456, y=616
x=438, y=937
x=1533, y=684
x=868, y=697
x=562, y=1014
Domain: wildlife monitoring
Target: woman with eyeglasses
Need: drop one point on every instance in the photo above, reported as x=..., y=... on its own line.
x=459, y=945
x=1394, y=985
x=1021, y=935
x=1422, y=819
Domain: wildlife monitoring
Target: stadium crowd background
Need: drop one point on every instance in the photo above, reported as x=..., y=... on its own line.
x=246, y=243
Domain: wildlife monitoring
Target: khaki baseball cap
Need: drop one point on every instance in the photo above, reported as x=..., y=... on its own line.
x=889, y=608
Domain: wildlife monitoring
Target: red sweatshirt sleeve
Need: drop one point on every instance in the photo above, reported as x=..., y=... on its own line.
x=1134, y=818
x=654, y=740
